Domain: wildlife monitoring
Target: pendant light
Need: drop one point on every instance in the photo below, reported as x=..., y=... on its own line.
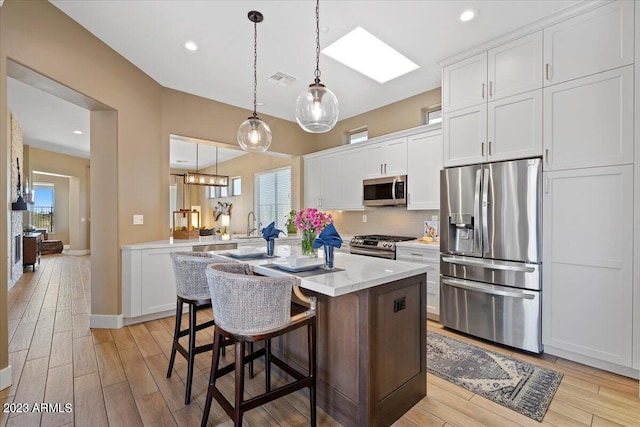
x=317, y=106
x=254, y=134
x=207, y=179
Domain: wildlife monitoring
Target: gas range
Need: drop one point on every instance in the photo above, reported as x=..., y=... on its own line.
x=376, y=245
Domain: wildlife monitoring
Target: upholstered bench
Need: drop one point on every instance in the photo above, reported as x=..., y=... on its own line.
x=52, y=247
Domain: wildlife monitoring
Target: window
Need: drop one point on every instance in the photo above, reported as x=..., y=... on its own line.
x=357, y=135
x=434, y=117
x=273, y=197
x=431, y=115
x=234, y=189
x=42, y=215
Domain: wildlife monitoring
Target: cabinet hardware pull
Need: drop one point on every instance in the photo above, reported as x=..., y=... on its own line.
x=490, y=89
x=546, y=155
x=381, y=169
x=415, y=254
x=385, y=168
x=482, y=90
x=546, y=185
x=546, y=70
x=482, y=149
x=489, y=147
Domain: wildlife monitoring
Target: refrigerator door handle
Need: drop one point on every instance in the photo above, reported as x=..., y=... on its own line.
x=486, y=289
x=485, y=212
x=476, y=211
x=488, y=266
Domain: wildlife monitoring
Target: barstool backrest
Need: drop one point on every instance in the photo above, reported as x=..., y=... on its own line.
x=189, y=272
x=245, y=304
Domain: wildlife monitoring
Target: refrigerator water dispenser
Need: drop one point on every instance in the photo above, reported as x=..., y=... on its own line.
x=461, y=233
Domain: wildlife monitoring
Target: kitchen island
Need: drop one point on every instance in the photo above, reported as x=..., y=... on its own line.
x=371, y=336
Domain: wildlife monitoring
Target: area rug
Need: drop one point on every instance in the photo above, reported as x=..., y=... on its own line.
x=518, y=385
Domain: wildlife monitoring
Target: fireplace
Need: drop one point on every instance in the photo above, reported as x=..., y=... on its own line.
x=17, y=254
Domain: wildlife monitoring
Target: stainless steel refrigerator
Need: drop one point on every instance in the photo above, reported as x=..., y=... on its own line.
x=491, y=252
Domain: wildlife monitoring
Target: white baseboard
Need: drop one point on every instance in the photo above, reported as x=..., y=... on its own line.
x=101, y=321
x=596, y=363
x=153, y=316
x=77, y=252
x=66, y=247
x=5, y=377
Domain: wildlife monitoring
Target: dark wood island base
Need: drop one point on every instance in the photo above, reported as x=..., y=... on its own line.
x=371, y=352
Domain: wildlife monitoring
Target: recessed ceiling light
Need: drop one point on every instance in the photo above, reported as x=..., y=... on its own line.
x=190, y=46
x=468, y=15
x=77, y=132
x=259, y=103
x=370, y=56
x=182, y=161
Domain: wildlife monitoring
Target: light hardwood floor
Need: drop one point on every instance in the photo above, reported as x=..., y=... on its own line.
x=117, y=377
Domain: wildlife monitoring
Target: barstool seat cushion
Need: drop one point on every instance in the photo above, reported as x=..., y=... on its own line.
x=189, y=271
x=246, y=304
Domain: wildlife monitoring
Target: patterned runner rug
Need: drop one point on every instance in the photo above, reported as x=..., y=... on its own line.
x=518, y=385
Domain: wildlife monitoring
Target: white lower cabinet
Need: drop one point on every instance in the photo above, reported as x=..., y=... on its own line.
x=587, y=265
x=148, y=285
x=427, y=254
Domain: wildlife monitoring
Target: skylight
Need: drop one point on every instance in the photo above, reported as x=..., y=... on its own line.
x=365, y=53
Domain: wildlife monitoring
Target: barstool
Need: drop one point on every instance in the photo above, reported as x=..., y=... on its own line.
x=252, y=308
x=191, y=289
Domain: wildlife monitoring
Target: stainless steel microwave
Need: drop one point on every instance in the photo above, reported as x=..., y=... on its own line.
x=387, y=191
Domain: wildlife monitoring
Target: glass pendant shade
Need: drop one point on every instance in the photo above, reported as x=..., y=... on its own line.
x=254, y=135
x=317, y=109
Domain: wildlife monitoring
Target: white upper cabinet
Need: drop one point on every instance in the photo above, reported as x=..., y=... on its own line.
x=313, y=182
x=589, y=121
x=423, y=167
x=515, y=67
x=386, y=158
x=465, y=83
x=501, y=117
x=514, y=127
x=350, y=182
x=464, y=136
x=595, y=41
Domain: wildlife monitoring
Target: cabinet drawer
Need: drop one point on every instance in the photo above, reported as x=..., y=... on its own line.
x=425, y=255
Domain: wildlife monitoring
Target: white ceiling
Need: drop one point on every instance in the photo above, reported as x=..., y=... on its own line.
x=151, y=35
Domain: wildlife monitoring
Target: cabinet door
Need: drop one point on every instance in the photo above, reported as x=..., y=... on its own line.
x=514, y=128
x=464, y=83
x=464, y=135
x=351, y=175
x=374, y=160
x=588, y=254
x=423, y=169
x=395, y=157
x=515, y=67
x=158, y=286
x=330, y=182
x=589, y=121
x=595, y=41
x=313, y=182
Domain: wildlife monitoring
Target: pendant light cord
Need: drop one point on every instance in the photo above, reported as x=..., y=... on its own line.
x=255, y=68
x=317, y=72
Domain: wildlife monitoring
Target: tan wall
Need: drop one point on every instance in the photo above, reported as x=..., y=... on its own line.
x=47, y=161
x=391, y=118
x=246, y=167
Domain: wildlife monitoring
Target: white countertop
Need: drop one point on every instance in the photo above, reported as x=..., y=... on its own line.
x=434, y=246
x=360, y=272
x=202, y=240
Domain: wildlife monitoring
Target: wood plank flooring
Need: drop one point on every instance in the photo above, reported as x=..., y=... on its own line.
x=118, y=377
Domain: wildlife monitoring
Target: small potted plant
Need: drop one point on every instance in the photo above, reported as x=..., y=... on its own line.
x=291, y=225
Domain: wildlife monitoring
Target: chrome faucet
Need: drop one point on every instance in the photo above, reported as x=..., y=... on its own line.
x=250, y=223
